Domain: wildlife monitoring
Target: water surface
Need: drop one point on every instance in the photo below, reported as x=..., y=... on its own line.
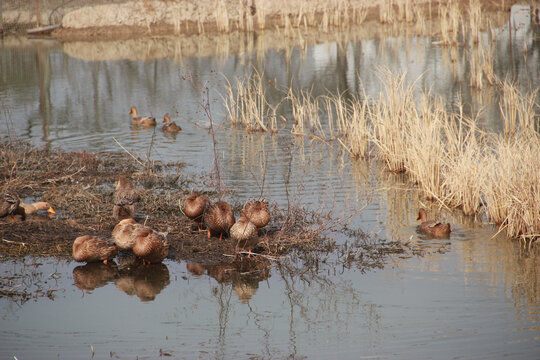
x=474, y=295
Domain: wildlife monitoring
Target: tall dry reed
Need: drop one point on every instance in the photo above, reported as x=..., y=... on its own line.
x=390, y=114
x=247, y=106
x=305, y=109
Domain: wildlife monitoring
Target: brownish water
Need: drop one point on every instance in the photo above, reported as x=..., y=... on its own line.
x=470, y=296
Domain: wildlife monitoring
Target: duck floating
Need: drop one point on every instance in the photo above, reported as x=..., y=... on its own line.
x=170, y=126
x=146, y=121
x=432, y=227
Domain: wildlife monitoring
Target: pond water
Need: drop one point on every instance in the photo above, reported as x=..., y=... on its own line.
x=474, y=295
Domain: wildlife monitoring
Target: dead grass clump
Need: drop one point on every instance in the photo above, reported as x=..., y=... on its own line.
x=450, y=21
x=390, y=114
x=512, y=188
x=26, y=169
x=475, y=20
x=247, y=106
x=350, y=125
x=305, y=109
x=424, y=149
x=463, y=171
x=512, y=191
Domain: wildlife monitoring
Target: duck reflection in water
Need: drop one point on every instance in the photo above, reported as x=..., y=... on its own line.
x=94, y=275
x=244, y=275
x=144, y=281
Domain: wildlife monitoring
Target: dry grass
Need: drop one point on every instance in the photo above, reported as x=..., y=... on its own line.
x=305, y=110
x=348, y=122
x=463, y=167
x=222, y=17
x=390, y=115
x=247, y=106
x=475, y=20
x=459, y=165
x=450, y=21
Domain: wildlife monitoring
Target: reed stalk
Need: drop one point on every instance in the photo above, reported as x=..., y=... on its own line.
x=390, y=114
x=247, y=106
x=463, y=171
x=305, y=109
x=354, y=127
x=475, y=20
x=260, y=13
x=221, y=16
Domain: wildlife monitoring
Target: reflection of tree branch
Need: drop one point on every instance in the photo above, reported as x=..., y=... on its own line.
x=224, y=301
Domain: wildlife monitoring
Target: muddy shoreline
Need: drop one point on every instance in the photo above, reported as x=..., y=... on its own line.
x=80, y=187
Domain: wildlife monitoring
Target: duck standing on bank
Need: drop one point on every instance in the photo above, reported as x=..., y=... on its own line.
x=123, y=233
x=244, y=232
x=257, y=212
x=152, y=247
x=125, y=197
x=432, y=227
x=146, y=121
x=194, y=207
x=218, y=218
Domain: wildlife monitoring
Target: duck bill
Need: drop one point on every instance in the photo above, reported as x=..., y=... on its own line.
x=51, y=211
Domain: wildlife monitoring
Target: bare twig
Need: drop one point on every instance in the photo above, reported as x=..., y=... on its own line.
x=127, y=151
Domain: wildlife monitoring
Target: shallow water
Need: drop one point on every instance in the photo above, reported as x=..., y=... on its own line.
x=470, y=296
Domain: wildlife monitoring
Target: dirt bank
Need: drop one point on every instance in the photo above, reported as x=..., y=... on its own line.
x=121, y=19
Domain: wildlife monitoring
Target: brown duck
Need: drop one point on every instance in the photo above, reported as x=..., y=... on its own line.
x=90, y=248
x=32, y=208
x=150, y=246
x=244, y=232
x=218, y=218
x=257, y=212
x=170, y=126
x=194, y=208
x=432, y=227
x=125, y=197
x=123, y=233
x=10, y=206
x=141, y=120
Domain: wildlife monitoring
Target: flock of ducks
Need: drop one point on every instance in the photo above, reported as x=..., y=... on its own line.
x=145, y=243
x=218, y=218
x=148, y=121
x=152, y=246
